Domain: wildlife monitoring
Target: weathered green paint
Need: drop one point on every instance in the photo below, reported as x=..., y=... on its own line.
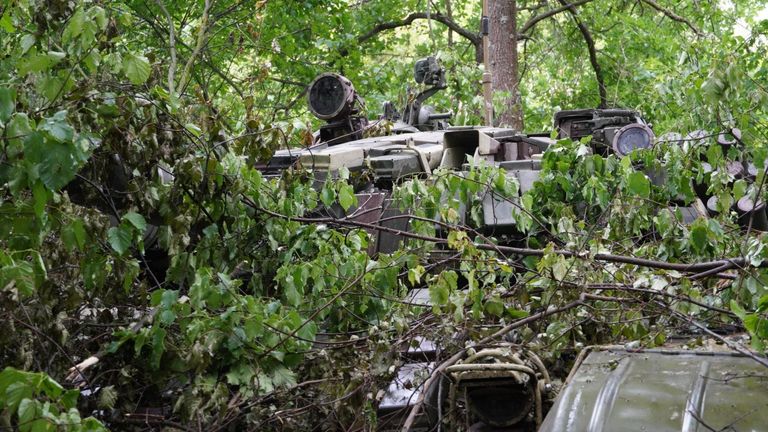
x=658, y=390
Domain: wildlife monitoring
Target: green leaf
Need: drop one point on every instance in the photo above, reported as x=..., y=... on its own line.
x=292, y=294
x=38, y=267
x=751, y=323
x=50, y=86
x=714, y=155
x=107, y=397
x=344, y=173
x=58, y=166
x=158, y=346
x=414, y=275
x=739, y=189
x=169, y=298
x=9, y=376
x=40, y=62
x=119, y=238
x=639, y=184
x=762, y=304
x=699, y=237
x=57, y=127
x=136, y=68
x=27, y=412
x=42, y=425
x=457, y=240
x=738, y=310
x=265, y=383
x=308, y=332
x=241, y=374
x=136, y=220
x=74, y=27
x=69, y=398
x=26, y=42
x=167, y=317
x=200, y=289
x=73, y=234
x=253, y=327
x=517, y=314
x=560, y=268
x=347, y=196
x=7, y=103
x=20, y=275
x=283, y=377
x=439, y=292
x=92, y=61
x=50, y=387
x=494, y=307
x=327, y=194
x=131, y=273
x=17, y=392
x=193, y=129
x=40, y=196
x=6, y=22
x=99, y=16
x=19, y=128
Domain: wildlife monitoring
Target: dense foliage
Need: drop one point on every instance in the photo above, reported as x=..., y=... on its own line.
x=134, y=228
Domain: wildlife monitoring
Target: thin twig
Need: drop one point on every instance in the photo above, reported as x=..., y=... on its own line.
x=641, y=262
x=552, y=12
x=172, y=47
x=673, y=16
x=201, y=38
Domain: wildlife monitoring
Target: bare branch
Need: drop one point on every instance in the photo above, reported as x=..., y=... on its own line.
x=673, y=16
x=202, y=35
x=535, y=20
x=537, y=6
x=443, y=19
x=592, y=53
x=289, y=82
x=730, y=344
x=604, y=257
x=160, y=31
x=172, y=46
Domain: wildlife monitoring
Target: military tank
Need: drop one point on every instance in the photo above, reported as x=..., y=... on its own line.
x=422, y=141
x=506, y=387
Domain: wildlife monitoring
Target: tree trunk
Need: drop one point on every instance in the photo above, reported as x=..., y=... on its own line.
x=504, y=62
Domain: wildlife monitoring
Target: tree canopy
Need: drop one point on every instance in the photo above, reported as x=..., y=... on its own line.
x=138, y=240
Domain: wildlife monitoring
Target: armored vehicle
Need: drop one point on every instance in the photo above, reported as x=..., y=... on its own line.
x=506, y=387
x=422, y=142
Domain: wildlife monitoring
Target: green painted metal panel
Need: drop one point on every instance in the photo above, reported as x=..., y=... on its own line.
x=659, y=390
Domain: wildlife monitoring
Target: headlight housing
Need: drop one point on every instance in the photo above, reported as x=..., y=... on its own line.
x=632, y=137
x=331, y=97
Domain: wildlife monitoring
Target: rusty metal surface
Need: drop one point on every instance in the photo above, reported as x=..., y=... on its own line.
x=658, y=390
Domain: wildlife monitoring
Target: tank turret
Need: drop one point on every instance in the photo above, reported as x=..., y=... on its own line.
x=422, y=142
